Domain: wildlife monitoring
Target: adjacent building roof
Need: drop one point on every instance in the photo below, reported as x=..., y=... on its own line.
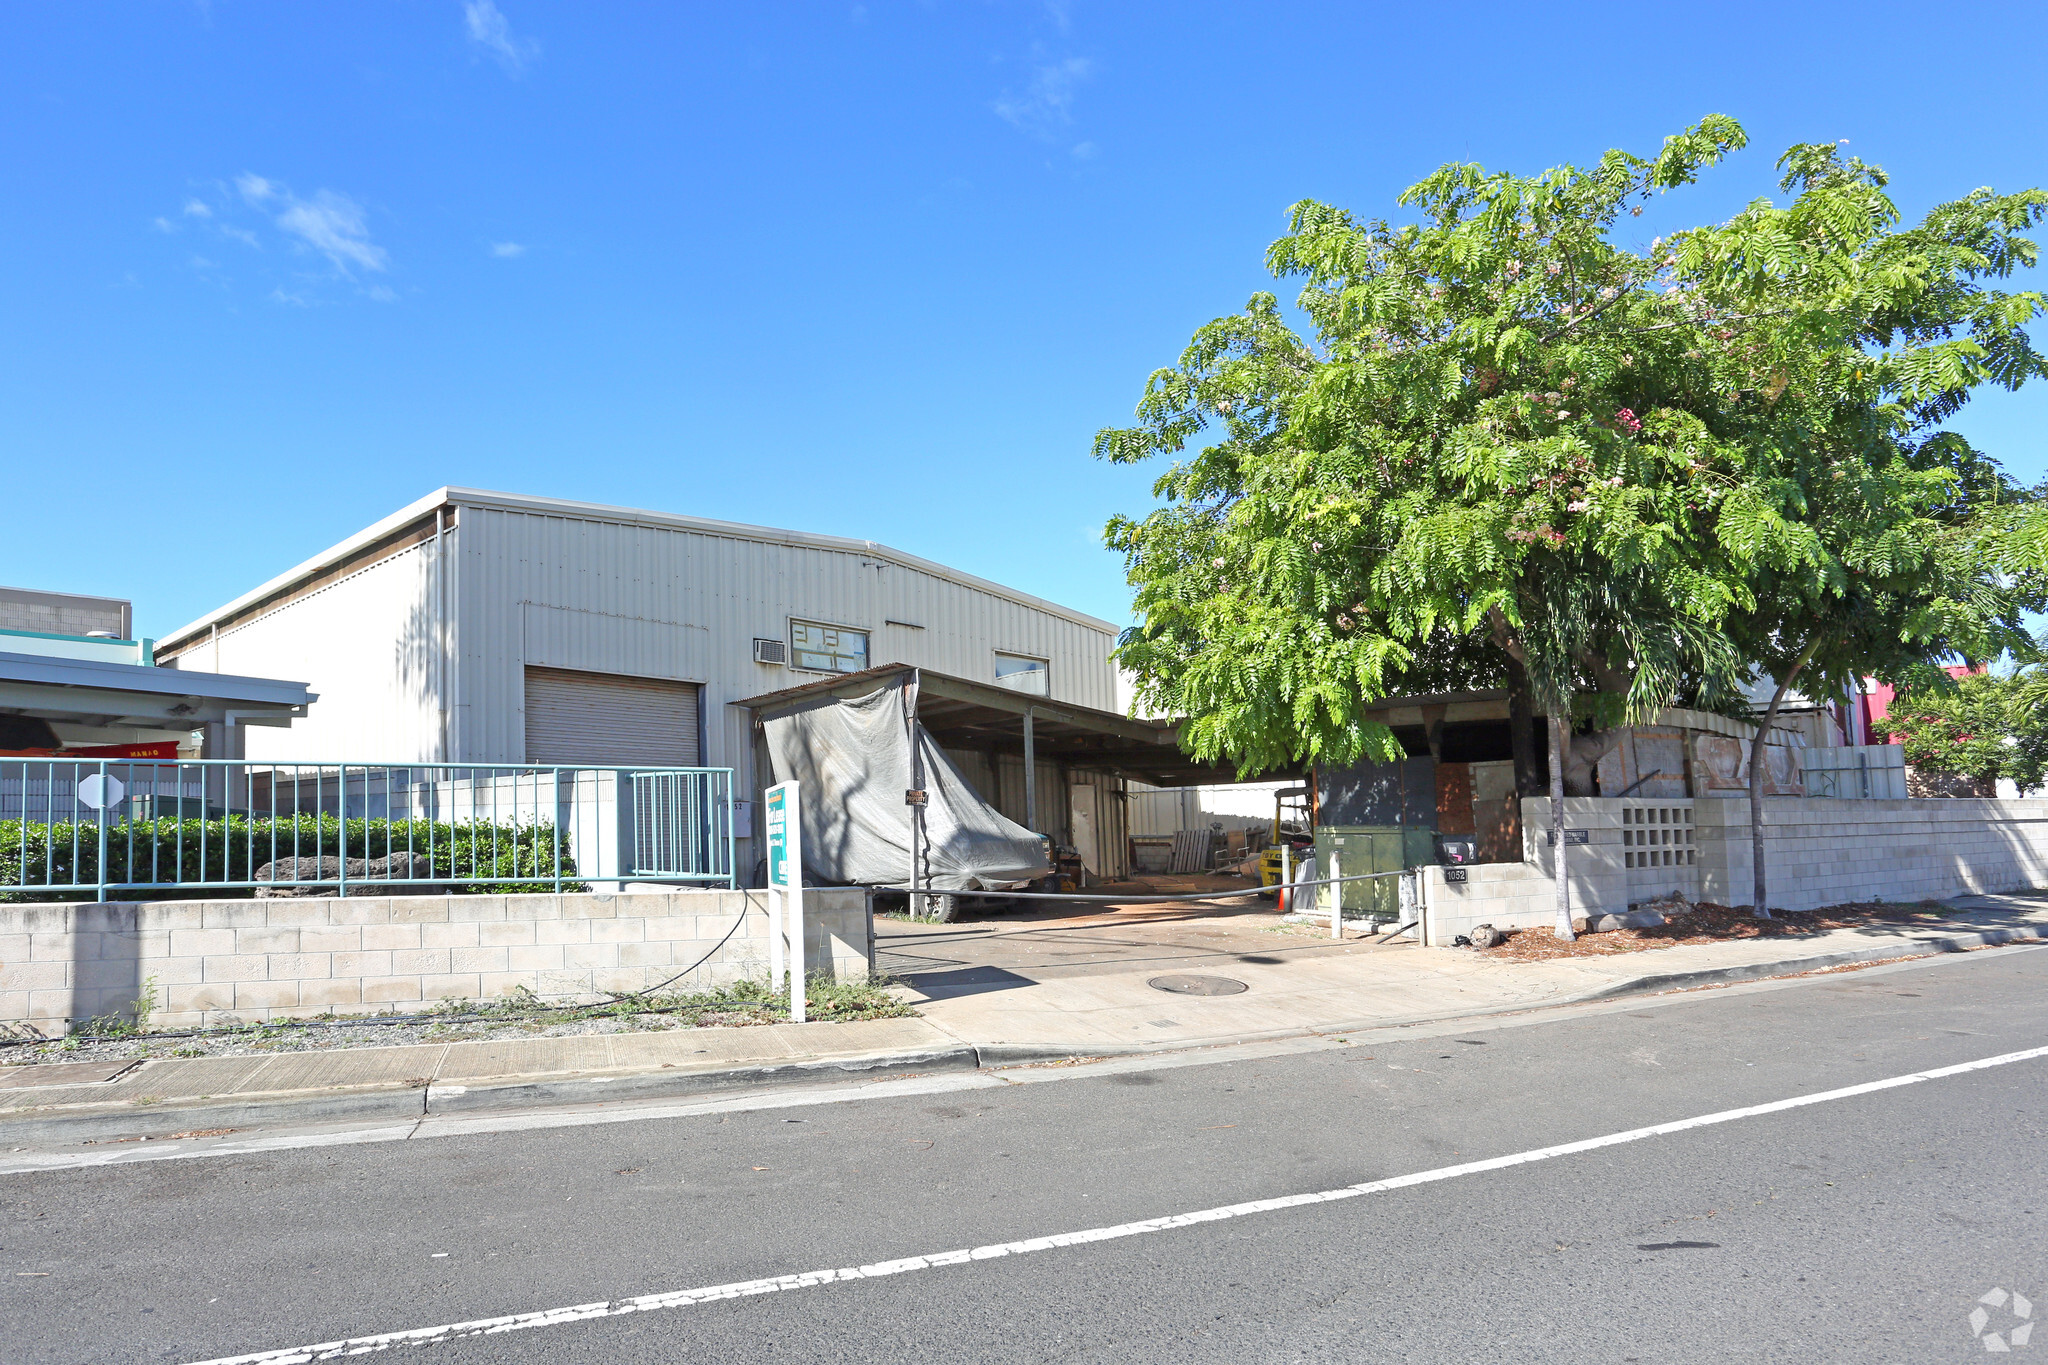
x=96, y=692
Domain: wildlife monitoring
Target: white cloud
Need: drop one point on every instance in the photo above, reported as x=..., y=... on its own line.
x=332, y=224
x=491, y=31
x=505, y=251
x=325, y=223
x=1048, y=102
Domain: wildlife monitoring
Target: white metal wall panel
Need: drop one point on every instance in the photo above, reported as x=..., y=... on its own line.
x=567, y=591
x=572, y=590
x=368, y=644
x=609, y=719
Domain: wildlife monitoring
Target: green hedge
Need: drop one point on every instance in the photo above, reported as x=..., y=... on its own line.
x=512, y=858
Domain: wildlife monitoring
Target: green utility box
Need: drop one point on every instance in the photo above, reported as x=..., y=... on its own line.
x=1372, y=848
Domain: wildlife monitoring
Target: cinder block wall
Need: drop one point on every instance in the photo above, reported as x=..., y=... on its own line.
x=214, y=962
x=1826, y=852
x=1821, y=851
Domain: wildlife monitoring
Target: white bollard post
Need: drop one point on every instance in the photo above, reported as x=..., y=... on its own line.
x=1336, y=896
x=1284, y=899
x=786, y=890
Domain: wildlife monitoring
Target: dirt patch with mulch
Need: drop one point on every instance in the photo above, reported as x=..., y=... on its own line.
x=1707, y=922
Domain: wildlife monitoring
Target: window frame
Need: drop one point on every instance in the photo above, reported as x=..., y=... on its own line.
x=867, y=637
x=1044, y=669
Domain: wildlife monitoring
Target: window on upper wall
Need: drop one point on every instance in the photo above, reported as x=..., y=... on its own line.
x=1023, y=673
x=827, y=649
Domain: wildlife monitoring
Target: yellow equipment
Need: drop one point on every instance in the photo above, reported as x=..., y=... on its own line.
x=1286, y=801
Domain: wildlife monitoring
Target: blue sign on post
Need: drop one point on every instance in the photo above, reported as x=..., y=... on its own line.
x=778, y=836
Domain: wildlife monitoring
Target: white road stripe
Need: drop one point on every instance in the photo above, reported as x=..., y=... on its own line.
x=481, y=1327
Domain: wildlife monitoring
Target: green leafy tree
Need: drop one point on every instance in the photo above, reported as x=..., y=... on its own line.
x=1872, y=536
x=1982, y=726
x=1509, y=446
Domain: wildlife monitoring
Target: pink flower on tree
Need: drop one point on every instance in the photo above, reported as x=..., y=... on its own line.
x=1627, y=421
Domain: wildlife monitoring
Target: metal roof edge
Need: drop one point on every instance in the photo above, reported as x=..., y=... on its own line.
x=630, y=516
x=740, y=530
x=368, y=535
x=168, y=682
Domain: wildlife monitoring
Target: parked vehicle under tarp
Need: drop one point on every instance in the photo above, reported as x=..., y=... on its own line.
x=857, y=758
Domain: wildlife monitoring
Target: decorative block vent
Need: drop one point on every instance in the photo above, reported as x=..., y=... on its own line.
x=1658, y=836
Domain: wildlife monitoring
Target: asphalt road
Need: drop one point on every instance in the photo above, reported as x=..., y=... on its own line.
x=1861, y=1229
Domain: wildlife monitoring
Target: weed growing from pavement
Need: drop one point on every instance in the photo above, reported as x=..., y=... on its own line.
x=738, y=1004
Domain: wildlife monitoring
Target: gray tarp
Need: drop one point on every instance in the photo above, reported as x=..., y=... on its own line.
x=854, y=761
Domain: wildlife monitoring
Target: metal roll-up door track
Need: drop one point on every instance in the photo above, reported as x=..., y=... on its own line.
x=609, y=720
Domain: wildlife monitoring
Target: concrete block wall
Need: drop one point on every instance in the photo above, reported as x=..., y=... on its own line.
x=215, y=962
x=1826, y=852
x=1505, y=895
x=1821, y=852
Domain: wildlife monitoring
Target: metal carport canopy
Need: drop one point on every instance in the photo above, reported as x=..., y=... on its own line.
x=960, y=714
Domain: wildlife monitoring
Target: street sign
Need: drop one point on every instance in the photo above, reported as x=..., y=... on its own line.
x=786, y=890
x=100, y=791
x=1571, y=836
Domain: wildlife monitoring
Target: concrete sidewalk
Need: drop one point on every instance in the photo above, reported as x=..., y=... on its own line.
x=1007, y=1014
x=980, y=1016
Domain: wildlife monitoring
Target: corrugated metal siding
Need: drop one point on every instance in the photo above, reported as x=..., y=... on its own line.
x=599, y=718
x=368, y=645
x=564, y=592
x=1000, y=780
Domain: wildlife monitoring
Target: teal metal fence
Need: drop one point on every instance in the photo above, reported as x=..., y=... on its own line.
x=74, y=827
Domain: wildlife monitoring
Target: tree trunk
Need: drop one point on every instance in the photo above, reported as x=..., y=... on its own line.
x=1557, y=829
x=1522, y=731
x=1760, y=905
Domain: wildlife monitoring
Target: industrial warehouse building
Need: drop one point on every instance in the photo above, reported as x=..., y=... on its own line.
x=480, y=627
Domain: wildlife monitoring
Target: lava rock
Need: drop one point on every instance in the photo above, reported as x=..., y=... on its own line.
x=389, y=868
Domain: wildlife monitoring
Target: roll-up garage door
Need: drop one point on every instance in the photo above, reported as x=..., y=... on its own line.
x=609, y=720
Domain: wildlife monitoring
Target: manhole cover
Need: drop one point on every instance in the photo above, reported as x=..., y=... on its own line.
x=1196, y=985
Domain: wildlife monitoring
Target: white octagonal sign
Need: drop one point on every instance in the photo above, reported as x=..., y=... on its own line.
x=100, y=791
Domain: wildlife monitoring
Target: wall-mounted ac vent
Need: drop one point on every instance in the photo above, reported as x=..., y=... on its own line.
x=771, y=651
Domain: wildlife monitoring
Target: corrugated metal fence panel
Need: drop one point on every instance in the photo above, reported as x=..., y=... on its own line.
x=609, y=720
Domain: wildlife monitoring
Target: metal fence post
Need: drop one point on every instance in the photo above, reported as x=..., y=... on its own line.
x=104, y=804
x=1336, y=895
x=341, y=826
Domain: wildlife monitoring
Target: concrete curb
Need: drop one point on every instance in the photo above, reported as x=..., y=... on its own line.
x=392, y=1104
x=525, y=1092
x=1757, y=971
x=410, y=1104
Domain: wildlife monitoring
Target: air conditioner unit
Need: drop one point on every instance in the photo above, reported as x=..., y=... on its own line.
x=771, y=652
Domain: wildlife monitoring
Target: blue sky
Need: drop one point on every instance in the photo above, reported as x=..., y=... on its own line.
x=880, y=269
